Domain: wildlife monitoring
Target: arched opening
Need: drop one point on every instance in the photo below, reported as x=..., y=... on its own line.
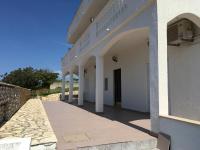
x=89, y=80
x=126, y=71
x=183, y=66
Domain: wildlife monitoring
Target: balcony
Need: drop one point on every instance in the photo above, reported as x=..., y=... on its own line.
x=111, y=16
x=88, y=9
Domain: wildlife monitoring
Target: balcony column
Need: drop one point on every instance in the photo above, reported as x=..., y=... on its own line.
x=99, y=83
x=71, y=82
x=63, y=88
x=158, y=72
x=81, y=85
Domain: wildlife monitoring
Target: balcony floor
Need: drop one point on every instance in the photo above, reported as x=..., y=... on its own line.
x=79, y=127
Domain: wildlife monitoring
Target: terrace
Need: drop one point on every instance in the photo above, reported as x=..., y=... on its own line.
x=80, y=128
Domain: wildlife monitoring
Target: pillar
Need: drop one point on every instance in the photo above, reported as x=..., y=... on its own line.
x=71, y=82
x=81, y=85
x=158, y=72
x=99, y=84
x=63, y=87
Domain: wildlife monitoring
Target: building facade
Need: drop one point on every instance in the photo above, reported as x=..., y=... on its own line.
x=141, y=55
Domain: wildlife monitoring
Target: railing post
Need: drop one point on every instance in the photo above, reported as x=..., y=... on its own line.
x=71, y=87
x=63, y=87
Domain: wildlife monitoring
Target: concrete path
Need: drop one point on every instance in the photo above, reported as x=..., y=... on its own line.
x=78, y=127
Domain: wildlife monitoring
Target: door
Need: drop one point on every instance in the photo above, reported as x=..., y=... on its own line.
x=148, y=89
x=117, y=86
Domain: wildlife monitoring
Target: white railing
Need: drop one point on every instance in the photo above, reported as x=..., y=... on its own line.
x=72, y=54
x=85, y=41
x=65, y=59
x=113, y=14
x=80, y=12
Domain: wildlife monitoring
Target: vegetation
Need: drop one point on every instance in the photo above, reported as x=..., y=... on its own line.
x=30, y=78
x=45, y=92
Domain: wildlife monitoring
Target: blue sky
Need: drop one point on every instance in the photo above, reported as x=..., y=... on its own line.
x=33, y=33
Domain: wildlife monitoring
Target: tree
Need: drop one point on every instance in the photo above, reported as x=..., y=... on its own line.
x=31, y=78
x=2, y=76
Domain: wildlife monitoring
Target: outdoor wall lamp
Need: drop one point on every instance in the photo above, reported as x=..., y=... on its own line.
x=107, y=29
x=115, y=58
x=91, y=19
x=148, y=43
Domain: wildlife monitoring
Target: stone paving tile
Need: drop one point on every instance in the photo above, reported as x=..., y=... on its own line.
x=30, y=121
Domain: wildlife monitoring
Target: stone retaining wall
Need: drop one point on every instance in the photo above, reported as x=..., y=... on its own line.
x=11, y=99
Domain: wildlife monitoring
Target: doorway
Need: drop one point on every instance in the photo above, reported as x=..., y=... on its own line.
x=117, y=87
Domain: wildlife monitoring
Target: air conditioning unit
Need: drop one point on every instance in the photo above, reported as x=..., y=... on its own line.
x=180, y=32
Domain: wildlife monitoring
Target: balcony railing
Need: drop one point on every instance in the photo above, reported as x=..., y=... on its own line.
x=80, y=12
x=113, y=14
x=85, y=41
x=72, y=54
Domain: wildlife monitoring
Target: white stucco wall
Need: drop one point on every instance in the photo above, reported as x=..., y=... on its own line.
x=165, y=15
x=184, y=136
x=133, y=61
x=184, y=81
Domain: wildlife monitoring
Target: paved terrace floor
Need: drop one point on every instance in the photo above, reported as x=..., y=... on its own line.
x=77, y=127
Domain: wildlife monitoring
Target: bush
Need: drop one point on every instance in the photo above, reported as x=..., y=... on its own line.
x=76, y=88
x=46, y=92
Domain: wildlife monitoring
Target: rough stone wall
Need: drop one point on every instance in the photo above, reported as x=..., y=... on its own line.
x=11, y=99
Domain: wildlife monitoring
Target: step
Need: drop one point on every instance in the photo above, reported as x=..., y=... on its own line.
x=131, y=145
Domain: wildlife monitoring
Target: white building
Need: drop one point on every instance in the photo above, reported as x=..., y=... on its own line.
x=143, y=55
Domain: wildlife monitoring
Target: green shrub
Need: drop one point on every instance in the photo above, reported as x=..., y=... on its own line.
x=46, y=92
